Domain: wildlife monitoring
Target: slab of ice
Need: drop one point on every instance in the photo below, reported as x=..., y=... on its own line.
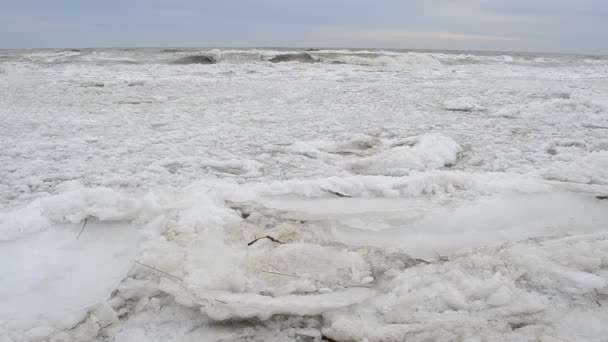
x=247, y=305
x=366, y=213
x=425, y=230
x=54, y=273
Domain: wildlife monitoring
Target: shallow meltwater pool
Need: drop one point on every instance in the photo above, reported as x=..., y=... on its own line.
x=428, y=230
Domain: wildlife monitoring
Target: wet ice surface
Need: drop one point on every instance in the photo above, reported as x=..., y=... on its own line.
x=488, y=220
x=53, y=272
x=413, y=196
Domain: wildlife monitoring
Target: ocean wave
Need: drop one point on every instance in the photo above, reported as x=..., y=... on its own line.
x=78, y=56
x=373, y=58
x=407, y=59
x=360, y=52
x=195, y=59
x=75, y=50
x=173, y=50
x=293, y=57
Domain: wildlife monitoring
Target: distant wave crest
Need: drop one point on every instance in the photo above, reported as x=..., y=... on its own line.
x=195, y=59
x=317, y=57
x=294, y=57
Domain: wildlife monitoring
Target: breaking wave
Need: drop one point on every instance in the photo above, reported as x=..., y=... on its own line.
x=406, y=59
x=373, y=58
x=293, y=57
x=196, y=59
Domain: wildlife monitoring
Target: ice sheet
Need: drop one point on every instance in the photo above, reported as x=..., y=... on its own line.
x=53, y=273
x=425, y=229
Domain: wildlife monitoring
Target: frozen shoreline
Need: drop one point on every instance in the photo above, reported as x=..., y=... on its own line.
x=414, y=196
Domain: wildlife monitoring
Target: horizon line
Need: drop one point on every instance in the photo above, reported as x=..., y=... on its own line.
x=422, y=50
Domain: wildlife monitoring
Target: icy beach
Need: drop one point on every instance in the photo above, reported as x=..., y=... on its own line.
x=294, y=195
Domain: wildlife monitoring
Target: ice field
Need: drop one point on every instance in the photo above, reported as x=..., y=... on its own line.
x=292, y=195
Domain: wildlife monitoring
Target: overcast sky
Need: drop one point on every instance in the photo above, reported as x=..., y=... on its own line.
x=508, y=25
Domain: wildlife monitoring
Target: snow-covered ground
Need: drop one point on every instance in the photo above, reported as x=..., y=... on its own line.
x=344, y=195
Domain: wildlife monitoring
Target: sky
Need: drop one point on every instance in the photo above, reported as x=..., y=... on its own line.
x=567, y=26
